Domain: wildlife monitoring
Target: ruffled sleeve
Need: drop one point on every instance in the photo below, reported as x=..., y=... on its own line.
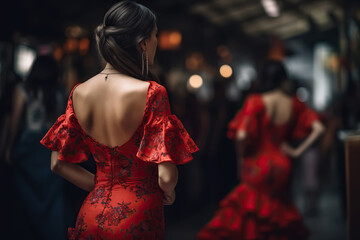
x=247, y=118
x=66, y=137
x=165, y=138
x=305, y=118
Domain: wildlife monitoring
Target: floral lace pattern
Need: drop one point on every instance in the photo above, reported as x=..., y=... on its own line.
x=259, y=207
x=126, y=202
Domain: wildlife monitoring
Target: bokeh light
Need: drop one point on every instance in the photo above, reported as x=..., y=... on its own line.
x=226, y=71
x=195, y=82
x=169, y=40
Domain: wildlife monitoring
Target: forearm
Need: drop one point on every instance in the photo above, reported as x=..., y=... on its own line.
x=317, y=130
x=74, y=173
x=168, y=176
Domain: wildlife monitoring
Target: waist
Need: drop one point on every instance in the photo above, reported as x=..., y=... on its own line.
x=102, y=178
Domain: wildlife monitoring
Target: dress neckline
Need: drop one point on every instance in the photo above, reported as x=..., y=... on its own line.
x=96, y=141
x=269, y=118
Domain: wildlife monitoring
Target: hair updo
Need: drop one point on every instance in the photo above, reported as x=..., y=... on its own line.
x=125, y=25
x=272, y=75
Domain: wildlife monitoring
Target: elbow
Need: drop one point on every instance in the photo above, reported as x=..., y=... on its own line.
x=55, y=167
x=169, y=179
x=240, y=136
x=320, y=128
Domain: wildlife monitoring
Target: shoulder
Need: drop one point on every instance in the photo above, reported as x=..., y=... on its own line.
x=78, y=92
x=157, y=88
x=157, y=92
x=298, y=104
x=158, y=100
x=254, y=102
x=254, y=98
x=139, y=87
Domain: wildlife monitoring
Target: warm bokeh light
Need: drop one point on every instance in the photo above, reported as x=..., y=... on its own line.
x=169, y=40
x=194, y=61
x=226, y=71
x=58, y=53
x=195, y=81
x=84, y=46
x=74, y=31
x=175, y=38
x=71, y=45
x=224, y=53
x=277, y=49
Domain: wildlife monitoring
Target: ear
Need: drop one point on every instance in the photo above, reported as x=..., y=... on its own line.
x=142, y=45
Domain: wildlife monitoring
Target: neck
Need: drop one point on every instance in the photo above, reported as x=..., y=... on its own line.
x=108, y=66
x=110, y=69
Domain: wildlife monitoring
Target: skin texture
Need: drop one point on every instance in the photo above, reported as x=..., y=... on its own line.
x=168, y=177
x=72, y=172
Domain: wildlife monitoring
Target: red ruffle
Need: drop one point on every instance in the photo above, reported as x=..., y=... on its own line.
x=166, y=140
x=164, y=137
x=305, y=118
x=63, y=136
x=71, y=233
x=246, y=118
x=67, y=137
x=248, y=214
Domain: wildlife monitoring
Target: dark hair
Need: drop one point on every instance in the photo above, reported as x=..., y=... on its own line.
x=44, y=75
x=125, y=25
x=271, y=75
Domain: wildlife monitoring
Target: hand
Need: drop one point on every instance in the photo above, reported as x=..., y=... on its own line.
x=289, y=150
x=169, y=198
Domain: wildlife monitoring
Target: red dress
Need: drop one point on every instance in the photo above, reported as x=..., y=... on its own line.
x=126, y=202
x=259, y=207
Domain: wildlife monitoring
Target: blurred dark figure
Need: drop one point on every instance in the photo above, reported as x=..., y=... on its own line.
x=37, y=204
x=260, y=206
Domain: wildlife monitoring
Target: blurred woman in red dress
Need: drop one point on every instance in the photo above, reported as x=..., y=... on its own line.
x=125, y=122
x=259, y=207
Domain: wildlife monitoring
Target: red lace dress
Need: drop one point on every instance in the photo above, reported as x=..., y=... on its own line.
x=126, y=202
x=259, y=207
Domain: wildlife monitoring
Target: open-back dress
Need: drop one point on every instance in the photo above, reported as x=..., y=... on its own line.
x=259, y=207
x=126, y=202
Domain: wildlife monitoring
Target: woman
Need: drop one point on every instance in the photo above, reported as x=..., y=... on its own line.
x=126, y=124
x=35, y=104
x=259, y=207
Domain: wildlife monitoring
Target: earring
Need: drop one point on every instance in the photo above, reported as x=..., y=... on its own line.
x=144, y=63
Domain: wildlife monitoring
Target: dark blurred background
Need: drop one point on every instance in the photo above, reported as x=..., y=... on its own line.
x=209, y=53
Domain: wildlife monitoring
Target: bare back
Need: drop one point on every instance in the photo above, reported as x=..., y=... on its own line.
x=110, y=110
x=278, y=107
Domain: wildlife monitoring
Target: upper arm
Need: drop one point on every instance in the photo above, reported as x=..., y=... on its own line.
x=245, y=123
x=54, y=160
x=168, y=171
x=160, y=102
x=19, y=100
